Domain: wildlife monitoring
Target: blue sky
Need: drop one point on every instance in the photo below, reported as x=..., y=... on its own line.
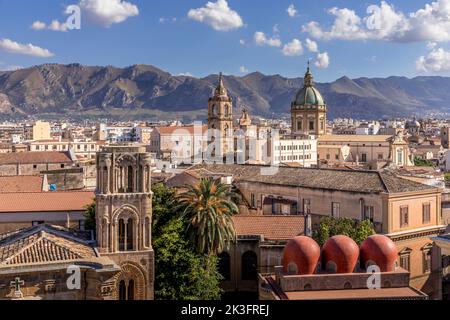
x=404, y=38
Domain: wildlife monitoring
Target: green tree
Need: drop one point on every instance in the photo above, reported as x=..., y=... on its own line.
x=89, y=214
x=329, y=227
x=182, y=273
x=208, y=208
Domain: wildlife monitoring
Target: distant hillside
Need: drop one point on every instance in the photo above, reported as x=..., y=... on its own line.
x=76, y=90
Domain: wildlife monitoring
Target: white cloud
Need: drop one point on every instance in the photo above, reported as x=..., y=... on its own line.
x=311, y=45
x=108, y=12
x=58, y=26
x=243, y=69
x=218, y=15
x=38, y=25
x=293, y=48
x=13, y=47
x=55, y=25
x=383, y=22
x=262, y=40
x=242, y=42
x=438, y=60
x=292, y=11
x=322, y=61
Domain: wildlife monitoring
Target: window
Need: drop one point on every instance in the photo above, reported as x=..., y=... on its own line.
x=335, y=209
x=336, y=157
x=405, y=261
x=249, y=266
x=380, y=156
x=404, y=217
x=62, y=166
x=363, y=157
x=253, y=201
x=426, y=217
x=368, y=213
x=34, y=166
x=299, y=125
x=427, y=260
x=311, y=125
x=400, y=157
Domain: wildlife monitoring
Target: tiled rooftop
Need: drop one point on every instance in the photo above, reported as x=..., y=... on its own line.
x=45, y=201
x=34, y=158
x=42, y=244
x=21, y=184
x=328, y=179
x=271, y=227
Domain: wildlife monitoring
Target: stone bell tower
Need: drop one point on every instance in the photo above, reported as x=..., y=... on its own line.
x=124, y=218
x=220, y=120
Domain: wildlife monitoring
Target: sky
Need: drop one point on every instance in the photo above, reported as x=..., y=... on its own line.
x=351, y=38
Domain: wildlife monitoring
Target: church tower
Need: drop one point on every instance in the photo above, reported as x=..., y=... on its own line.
x=220, y=120
x=309, y=110
x=124, y=218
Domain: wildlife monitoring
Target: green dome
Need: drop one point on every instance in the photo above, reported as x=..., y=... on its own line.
x=309, y=95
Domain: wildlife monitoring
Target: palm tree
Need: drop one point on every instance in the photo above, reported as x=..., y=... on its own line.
x=208, y=208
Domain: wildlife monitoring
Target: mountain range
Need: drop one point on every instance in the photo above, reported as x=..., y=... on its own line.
x=75, y=90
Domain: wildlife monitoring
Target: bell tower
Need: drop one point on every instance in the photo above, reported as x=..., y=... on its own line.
x=309, y=110
x=220, y=120
x=124, y=218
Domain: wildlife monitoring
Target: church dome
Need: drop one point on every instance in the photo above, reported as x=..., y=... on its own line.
x=309, y=96
x=340, y=255
x=379, y=250
x=301, y=256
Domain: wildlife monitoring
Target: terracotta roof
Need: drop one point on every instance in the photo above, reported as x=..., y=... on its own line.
x=180, y=130
x=34, y=158
x=327, y=179
x=271, y=227
x=43, y=244
x=21, y=184
x=45, y=201
x=357, y=294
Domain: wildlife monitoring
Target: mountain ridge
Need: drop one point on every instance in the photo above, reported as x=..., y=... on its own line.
x=61, y=89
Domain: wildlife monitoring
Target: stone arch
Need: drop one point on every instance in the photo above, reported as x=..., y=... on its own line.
x=126, y=232
x=133, y=278
x=126, y=211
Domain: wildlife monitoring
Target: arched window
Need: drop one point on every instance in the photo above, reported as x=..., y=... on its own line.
x=249, y=266
x=131, y=290
x=122, y=291
x=126, y=235
x=214, y=110
x=130, y=235
x=227, y=111
x=130, y=179
x=121, y=235
x=225, y=266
